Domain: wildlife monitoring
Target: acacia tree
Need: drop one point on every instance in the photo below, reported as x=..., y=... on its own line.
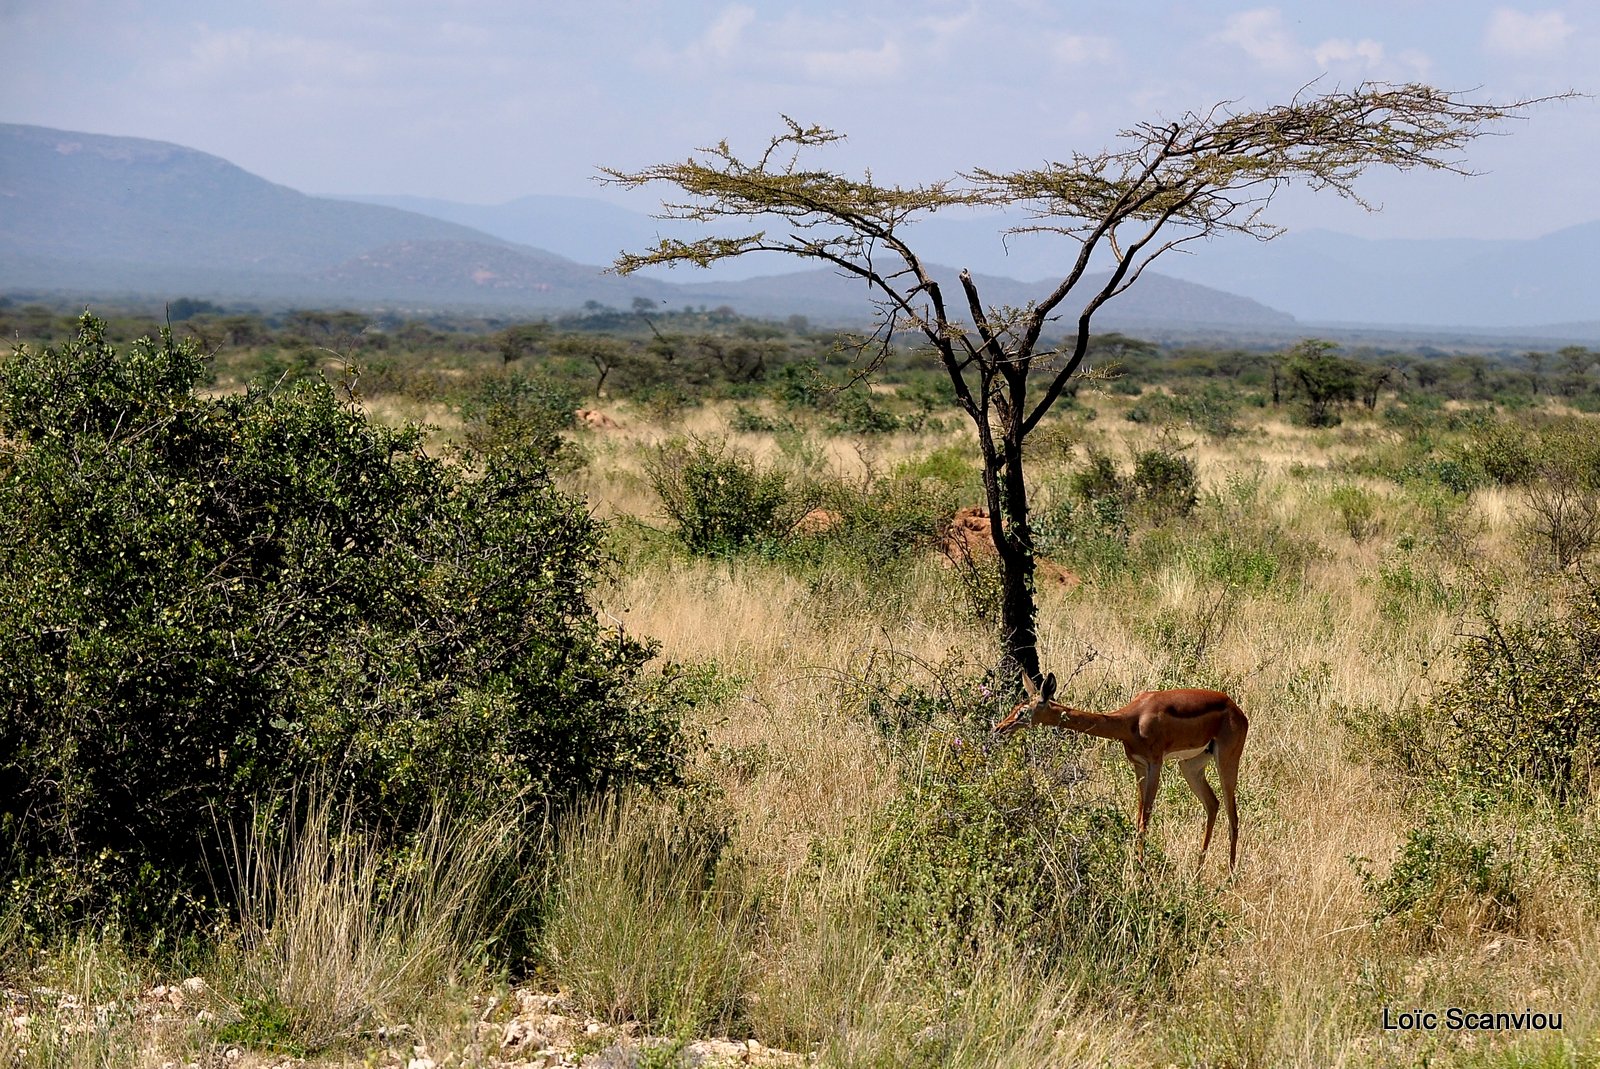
x=1205, y=174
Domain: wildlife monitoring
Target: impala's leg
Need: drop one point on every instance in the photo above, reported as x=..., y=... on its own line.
x=1194, y=773
x=1149, y=784
x=1229, y=751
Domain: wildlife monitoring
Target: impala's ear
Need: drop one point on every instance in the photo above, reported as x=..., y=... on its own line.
x=1048, y=691
x=1029, y=688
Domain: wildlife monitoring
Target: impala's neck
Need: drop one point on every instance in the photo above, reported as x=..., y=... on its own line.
x=1052, y=714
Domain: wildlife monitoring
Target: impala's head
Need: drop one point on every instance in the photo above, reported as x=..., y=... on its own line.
x=1025, y=712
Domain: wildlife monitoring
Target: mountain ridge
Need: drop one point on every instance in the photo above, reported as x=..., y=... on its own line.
x=98, y=213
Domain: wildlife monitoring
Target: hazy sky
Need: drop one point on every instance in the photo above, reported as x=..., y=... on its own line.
x=487, y=100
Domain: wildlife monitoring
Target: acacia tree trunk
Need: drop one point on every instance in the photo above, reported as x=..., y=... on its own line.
x=1007, y=494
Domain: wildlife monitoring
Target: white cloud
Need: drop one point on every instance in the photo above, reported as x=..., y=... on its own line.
x=721, y=39
x=1341, y=52
x=1518, y=33
x=1078, y=49
x=1261, y=35
x=240, y=56
x=1265, y=36
x=853, y=65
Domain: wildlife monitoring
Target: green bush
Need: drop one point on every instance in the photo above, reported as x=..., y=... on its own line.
x=1524, y=713
x=718, y=500
x=518, y=411
x=985, y=853
x=1563, y=496
x=1211, y=409
x=1099, y=479
x=1165, y=483
x=855, y=413
x=205, y=602
x=1503, y=452
x=1445, y=879
x=1357, y=509
x=1089, y=535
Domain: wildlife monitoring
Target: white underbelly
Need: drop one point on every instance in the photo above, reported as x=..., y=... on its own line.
x=1184, y=755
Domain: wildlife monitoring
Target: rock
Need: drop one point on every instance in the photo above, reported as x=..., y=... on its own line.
x=520, y=1032
x=970, y=537
x=596, y=420
x=818, y=521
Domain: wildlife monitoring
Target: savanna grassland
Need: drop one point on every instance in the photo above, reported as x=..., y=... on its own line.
x=843, y=864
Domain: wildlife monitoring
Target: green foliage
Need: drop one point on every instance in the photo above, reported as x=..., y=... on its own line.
x=984, y=850
x=519, y=412
x=207, y=601
x=1504, y=452
x=718, y=500
x=1357, y=509
x=1211, y=409
x=1445, y=879
x=1089, y=534
x=1524, y=714
x=1099, y=478
x=1163, y=485
x=1563, y=497
x=1323, y=381
x=804, y=388
x=949, y=465
x=1406, y=584
x=1164, y=482
x=855, y=413
x=265, y=1024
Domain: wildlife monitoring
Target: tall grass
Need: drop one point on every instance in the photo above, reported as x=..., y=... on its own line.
x=339, y=934
x=653, y=917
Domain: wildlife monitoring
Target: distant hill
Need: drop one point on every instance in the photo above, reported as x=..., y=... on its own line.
x=1541, y=285
x=93, y=215
x=1320, y=276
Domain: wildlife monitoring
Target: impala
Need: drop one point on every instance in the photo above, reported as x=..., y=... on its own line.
x=1189, y=726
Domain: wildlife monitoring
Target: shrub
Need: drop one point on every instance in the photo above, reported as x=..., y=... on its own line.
x=207, y=601
x=1090, y=535
x=518, y=411
x=1164, y=481
x=718, y=500
x=1563, y=496
x=856, y=414
x=1503, y=452
x=1099, y=479
x=1525, y=711
x=1357, y=509
x=1445, y=880
x=984, y=853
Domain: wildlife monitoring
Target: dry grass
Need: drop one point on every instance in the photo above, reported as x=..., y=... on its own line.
x=1302, y=976
x=773, y=932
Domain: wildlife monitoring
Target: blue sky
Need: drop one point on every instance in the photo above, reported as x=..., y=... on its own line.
x=487, y=100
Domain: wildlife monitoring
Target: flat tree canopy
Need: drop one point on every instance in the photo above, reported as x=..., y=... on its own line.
x=1203, y=174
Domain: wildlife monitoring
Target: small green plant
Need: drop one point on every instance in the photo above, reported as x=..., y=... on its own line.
x=518, y=411
x=718, y=500
x=1445, y=880
x=1357, y=509
x=987, y=853
x=265, y=1024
